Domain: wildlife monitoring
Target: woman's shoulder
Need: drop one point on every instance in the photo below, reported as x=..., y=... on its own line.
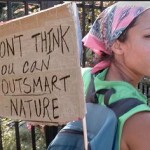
x=136, y=135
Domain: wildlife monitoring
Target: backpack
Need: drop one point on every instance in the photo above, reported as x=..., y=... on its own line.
x=101, y=122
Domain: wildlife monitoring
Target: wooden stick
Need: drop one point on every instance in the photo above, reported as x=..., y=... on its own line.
x=85, y=133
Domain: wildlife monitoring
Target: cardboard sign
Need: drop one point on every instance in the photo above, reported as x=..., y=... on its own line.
x=40, y=77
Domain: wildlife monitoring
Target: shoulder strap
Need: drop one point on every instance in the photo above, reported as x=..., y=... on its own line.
x=120, y=107
x=91, y=95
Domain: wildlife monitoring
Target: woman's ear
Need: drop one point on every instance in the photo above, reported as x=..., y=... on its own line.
x=117, y=47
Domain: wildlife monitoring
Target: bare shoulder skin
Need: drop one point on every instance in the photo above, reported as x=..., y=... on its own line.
x=136, y=132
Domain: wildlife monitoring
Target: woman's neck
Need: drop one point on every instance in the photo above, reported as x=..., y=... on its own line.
x=119, y=72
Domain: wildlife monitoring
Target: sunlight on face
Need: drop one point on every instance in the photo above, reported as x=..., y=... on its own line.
x=137, y=46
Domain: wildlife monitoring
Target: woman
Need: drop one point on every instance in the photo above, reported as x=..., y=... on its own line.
x=121, y=37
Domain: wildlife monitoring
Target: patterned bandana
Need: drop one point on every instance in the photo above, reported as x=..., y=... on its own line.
x=109, y=26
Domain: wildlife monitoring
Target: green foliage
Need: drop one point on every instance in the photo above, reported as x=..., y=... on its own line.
x=8, y=135
x=9, y=138
x=18, y=10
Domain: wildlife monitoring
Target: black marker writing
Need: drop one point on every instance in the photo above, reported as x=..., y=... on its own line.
x=20, y=43
x=36, y=66
x=55, y=107
x=42, y=84
x=8, y=47
x=7, y=69
x=41, y=107
x=52, y=40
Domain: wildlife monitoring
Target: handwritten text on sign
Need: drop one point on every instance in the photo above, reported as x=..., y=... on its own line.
x=39, y=67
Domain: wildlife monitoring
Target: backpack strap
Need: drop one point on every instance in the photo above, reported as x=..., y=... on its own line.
x=119, y=107
x=122, y=106
x=91, y=95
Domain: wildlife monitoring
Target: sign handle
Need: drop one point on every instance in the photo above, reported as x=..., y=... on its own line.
x=85, y=133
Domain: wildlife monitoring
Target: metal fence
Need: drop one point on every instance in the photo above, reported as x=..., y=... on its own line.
x=87, y=13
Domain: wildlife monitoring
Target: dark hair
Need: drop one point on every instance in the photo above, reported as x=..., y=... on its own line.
x=123, y=37
x=104, y=56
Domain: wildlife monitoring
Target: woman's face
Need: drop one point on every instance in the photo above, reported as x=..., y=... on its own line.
x=136, y=48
